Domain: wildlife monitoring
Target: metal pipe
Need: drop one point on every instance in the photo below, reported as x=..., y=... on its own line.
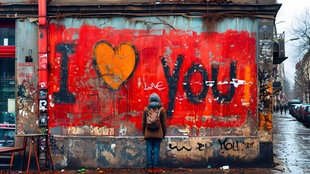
x=42, y=44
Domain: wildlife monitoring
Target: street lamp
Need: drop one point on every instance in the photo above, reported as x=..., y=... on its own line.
x=297, y=38
x=280, y=22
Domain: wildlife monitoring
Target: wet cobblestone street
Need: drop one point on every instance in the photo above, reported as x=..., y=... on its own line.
x=291, y=144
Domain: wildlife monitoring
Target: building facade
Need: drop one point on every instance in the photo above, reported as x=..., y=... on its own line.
x=279, y=96
x=84, y=72
x=302, y=78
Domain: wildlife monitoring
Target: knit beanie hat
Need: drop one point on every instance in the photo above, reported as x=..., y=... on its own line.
x=154, y=101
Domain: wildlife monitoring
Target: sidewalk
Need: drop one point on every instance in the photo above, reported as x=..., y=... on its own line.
x=279, y=168
x=177, y=171
x=166, y=171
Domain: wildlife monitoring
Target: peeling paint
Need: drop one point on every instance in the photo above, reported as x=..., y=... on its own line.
x=209, y=80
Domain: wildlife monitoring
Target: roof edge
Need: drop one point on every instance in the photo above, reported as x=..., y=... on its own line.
x=187, y=10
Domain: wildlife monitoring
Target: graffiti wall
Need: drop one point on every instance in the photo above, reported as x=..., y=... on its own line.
x=26, y=78
x=265, y=77
x=175, y=152
x=102, y=72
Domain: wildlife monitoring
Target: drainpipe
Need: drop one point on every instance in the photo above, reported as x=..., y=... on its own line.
x=42, y=44
x=42, y=64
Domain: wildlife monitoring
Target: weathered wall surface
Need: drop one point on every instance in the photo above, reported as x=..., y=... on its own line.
x=102, y=72
x=265, y=59
x=26, y=78
x=211, y=74
x=93, y=152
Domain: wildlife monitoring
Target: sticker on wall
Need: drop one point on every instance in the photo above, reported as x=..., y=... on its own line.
x=114, y=65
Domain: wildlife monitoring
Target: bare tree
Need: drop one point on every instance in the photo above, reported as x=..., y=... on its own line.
x=302, y=74
x=301, y=31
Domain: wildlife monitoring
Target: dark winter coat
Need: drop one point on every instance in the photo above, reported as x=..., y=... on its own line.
x=154, y=101
x=159, y=133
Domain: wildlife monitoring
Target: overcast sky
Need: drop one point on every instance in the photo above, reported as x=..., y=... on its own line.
x=289, y=12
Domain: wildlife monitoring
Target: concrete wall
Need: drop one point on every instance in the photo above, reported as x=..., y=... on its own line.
x=26, y=76
x=210, y=74
x=124, y=152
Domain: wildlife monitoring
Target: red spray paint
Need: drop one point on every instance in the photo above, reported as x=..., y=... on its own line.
x=98, y=105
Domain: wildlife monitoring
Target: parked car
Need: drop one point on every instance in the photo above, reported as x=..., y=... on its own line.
x=307, y=115
x=293, y=101
x=301, y=117
x=292, y=108
x=296, y=111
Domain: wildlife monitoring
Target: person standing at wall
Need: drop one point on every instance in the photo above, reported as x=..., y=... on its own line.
x=154, y=130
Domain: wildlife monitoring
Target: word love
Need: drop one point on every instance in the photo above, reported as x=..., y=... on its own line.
x=159, y=85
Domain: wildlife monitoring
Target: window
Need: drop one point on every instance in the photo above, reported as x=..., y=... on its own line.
x=7, y=32
x=7, y=36
x=7, y=82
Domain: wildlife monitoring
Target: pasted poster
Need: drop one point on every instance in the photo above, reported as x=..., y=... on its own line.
x=25, y=72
